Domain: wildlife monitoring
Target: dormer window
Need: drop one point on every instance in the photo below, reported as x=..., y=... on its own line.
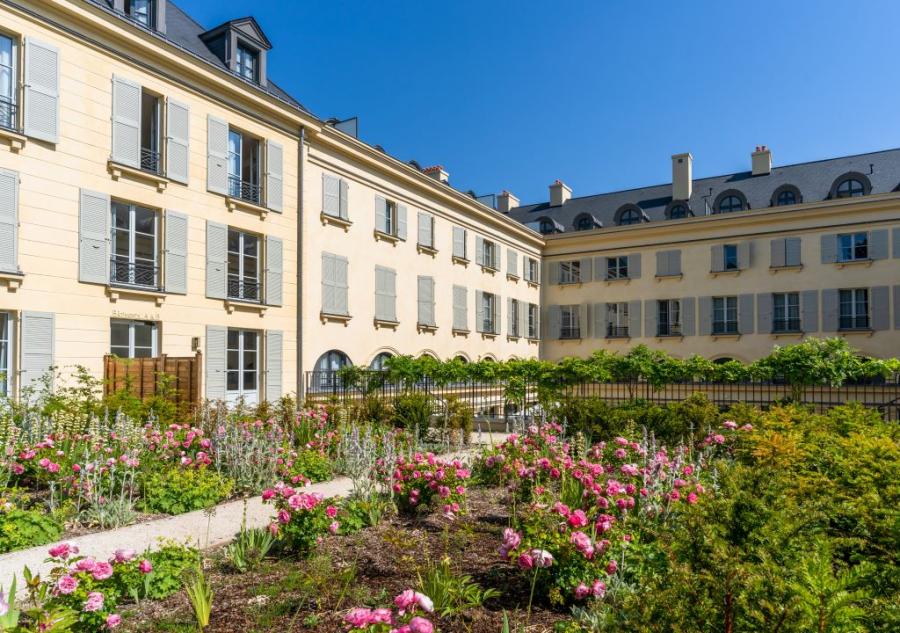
x=142, y=11
x=247, y=63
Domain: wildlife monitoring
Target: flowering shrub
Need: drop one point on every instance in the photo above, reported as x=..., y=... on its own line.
x=426, y=481
x=402, y=619
x=177, y=490
x=301, y=518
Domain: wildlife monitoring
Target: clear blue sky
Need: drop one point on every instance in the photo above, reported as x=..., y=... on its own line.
x=512, y=95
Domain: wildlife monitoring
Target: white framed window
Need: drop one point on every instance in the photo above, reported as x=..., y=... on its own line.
x=243, y=266
x=133, y=339
x=151, y=128
x=617, y=267
x=725, y=315
x=142, y=11
x=533, y=312
x=9, y=83
x=325, y=376
x=617, y=320
x=786, y=312
x=669, y=317
x=6, y=353
x=242, y=365
x=488, y=301
x=531, y=270
x=570, y=321
x=570, y=272
x=135, y=243
x=244, y=167
x=730, y=257
x=514, y=318
x=854, y=309
x=491, y=255
x=246, y=63
x=853, y=246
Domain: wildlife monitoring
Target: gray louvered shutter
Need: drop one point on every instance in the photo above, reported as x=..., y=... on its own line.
x=675, y=262
x=745, y=314
x=510, y=317
x=763, y=313
x=662, y=263
x=126, y=122
x=479, y=250
x=176, y=243
x=331, y=195
x=460, y=308
x=880, y=308
x=274, y=176
x=717, y=258
x=216, y=155
x=215, y=361
x=479, y=311
x=878, y=244
x=381, y=307
x=38, y=342
x=706, y=316
x=584, y=320
x=216, y=260
x=390, y=291
x=178, y=135
x=554, y=272
x=9, y=221
x=93, y=237
x=425, y=300
x=830, y=310
x=792, y=251
x=341, y=285
x=897, y=307
x=512, y=262
x=41, y=91
x=381, y=214
x=809, y=311
x=345, y=200
x=745, y=254
x=401, y=221
x=554, y=322
x=329, y=300
x=586, y=269
x=688, y=316
x=651, y=317
x=274, y=282
x=634, y=319
x=498, y=304
x=523, y=319
x=601, y=319
x=274, y=364
x=459, y=242
x=829, y=248
x=424, y=228
x=634, y=266
x=777, y=249
x=895, y=238
x=600, y=271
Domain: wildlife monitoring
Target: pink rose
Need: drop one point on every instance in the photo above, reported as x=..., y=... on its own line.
x=102, y=571
x=86, y=564
x=145, y=566
x=94, y=601
x=113, y=620
x=67, y=584
x=334, y=527
x=420, y=625
x=582, y=591
x=63, y=550
x=526, y=561
x=331, y=511
x=123, y=555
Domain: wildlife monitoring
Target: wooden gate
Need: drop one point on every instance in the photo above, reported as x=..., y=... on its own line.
x=144, y=377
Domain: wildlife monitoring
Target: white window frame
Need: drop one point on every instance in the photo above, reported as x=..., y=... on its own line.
x=236, y=166
x=858, y=297
x=617, y=267
x=725, y=315
x=570, y=272
x=131, y=323
x=244, y=51
x=570, y=322
x=489, y=254
x=731, y=259
x=132, y=260
x=14, y=81
x=785, y=310
x=849, y=243
x=514, y=317
x=671, y=326
x=533, y=312
x=241, y=259
x=617, y=320
x=6, y=354
x=250, y=395
x=488, y=312
x=531, y=270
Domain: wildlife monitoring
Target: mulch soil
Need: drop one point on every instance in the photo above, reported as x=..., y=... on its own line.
x=367, y=568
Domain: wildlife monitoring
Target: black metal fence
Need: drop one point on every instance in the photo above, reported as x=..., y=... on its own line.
x=501, y=399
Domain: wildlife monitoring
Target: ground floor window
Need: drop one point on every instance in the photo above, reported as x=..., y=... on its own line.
x=725, y=315
x=5, y=352
x=617, y=320
x=669, y=317
x=242, y=365
x=329, y=363
x=570, y=322
x=854, y=309
x=133, y=339
x=377, y=363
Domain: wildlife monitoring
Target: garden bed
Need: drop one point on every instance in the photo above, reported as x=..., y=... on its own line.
x=368, y=567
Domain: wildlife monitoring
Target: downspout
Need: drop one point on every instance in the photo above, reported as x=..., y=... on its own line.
x=301, y=386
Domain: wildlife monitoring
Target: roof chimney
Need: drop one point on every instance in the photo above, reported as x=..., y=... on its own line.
x=506, y=201
x=437, y=172
x=761, y=161
x=560, y=192
x=682, y=176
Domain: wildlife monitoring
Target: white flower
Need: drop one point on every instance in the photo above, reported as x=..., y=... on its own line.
x=425, y=602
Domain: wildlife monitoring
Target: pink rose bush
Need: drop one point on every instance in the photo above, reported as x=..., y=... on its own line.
x=301, y=518
x=581, y=511
x=404, y=618
x=425, y=481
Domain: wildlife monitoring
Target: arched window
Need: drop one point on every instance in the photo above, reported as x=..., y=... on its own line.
x=629, y=215
x=729, y=203
x=786, y=195
x=850, y=188
x=677, y=212
x=722, y=360
x=547, y=226
x=461, y=359
x=377, y=363
x=329, y=363
x=585, y=222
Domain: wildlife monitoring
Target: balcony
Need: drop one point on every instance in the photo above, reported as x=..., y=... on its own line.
x=9, y=114
x=143, y=275
x=243, y=190
x=616, y=331
x=150, y=161
x=243, y=289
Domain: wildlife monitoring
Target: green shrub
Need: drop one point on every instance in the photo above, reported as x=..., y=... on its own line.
x=313, y=464
x=413, y=411
x=179, y=490
x=169, y=563
x=21, y=528
x=460, y=417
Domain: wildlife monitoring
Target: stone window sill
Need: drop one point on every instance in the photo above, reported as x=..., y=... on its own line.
x=532, y=284
x=726, y=273
x=16, y=141
x=117, y=292
x=512, y=277
x=117, y=170
x=570, y=338
x=618, y=280
x=250, y=306
x=463, y=261
x=622, y=337
x=426, y=327
x=336, y=318
x=571, y=284
x=459, y=332
x=386, y=323
x=664, y=277
x=334, y=220
x=777, y=269
x=386, y=237
x=239, y=203
x=864, y=263
x=512, y=337
x=788, y=334
x=488, y=269
x=13, y=280
x=726, y=336
x=534, y=340
x=664, y=337
x=426, y=250
x=857, y=332
x=489, y=336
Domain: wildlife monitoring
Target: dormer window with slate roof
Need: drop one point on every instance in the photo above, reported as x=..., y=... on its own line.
x=851, y=185
x=148, y=13
x=730, y=201
x=242, y=47
x=629, y=214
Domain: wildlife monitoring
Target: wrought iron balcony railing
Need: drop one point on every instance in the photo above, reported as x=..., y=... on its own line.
x=244, y=190
x=668, y=329
x=243, y=289
x=9, y=114
x=616, y=331
x=150, y=160
x=126, y=273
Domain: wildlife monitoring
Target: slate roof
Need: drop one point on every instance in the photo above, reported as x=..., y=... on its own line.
x=183, y=31
x=813, y=179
